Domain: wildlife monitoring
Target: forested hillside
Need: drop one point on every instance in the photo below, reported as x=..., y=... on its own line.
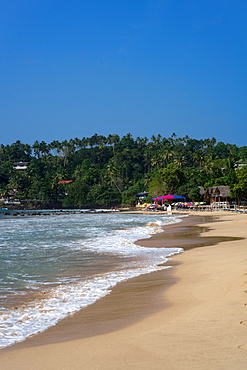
x=112, y=170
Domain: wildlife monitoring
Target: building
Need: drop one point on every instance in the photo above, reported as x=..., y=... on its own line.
x=239, y=166
x=141, y=197
x=217, y=194
x=20, y=166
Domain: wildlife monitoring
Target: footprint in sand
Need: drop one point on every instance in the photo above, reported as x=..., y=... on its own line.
x=243, y=322
x=242, y=346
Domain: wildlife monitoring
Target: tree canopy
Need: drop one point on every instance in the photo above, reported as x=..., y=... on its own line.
x=112, y=170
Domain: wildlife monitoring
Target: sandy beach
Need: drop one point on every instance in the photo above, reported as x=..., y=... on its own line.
x=191, y=316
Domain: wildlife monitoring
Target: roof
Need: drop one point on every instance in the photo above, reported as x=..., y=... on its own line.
x=223, y=191
x=20, y=163
x=64, y=182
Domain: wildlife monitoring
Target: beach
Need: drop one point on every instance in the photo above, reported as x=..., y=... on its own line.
x=191, y=316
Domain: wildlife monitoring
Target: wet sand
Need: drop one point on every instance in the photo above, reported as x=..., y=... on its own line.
x=191, y=316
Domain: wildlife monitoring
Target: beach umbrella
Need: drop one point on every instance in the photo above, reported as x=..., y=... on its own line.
x=168, y=197
x=172, y=197
x=153, y=206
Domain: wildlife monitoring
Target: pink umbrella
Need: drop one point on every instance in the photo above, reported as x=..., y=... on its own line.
x=172, y=197
x=163, y=197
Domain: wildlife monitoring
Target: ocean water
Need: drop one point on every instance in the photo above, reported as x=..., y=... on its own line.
x=53, y=265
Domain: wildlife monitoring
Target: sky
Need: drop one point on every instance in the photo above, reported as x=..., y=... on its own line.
x=146, y=67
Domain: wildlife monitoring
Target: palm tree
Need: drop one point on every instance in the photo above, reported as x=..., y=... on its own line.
x=94, y=141
x=102, y=141
x=168, y=154
x=116, y=139
x=84, y=142
x=113, y=172
x=180, y=160
x=3, y=152
x=43, y=148
x=56, y=146
x=198, y=157
x=141, y=142
x=28, y=150
x=77, y=143
x=156, y=139
x=36, y=149
x=66, y=150
x=156, y=161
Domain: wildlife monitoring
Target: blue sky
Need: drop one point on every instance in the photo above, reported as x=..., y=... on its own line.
x=74, y=68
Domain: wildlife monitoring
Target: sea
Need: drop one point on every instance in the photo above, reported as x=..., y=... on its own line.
x=52, y=264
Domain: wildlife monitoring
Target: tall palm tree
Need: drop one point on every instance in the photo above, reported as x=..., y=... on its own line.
x=43, y=148
x=113, y=172
x=3, y=152
x=180, y=160
x=36, y=149
x=168, y=154
x=141, y=142
x=56, y=146
x=156, y=161
x=198, y=158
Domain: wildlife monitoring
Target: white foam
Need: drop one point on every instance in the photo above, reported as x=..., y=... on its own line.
x=121, y=241
x=69, y=297
x=16, y=325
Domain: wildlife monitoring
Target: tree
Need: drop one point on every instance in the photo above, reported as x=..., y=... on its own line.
x=180, y=160
x=43, y=148
x=36, y=149
x=199, y=158
x=156, y=160
x=168, y=154
x=127, y=141
x=239, y=188
x=114, y=174
x=106, y=170
x=173, y=177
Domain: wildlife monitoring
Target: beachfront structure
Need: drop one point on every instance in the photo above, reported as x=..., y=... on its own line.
x=217, y=194
x=141, y=197
x=20, y=166
x=64, y=182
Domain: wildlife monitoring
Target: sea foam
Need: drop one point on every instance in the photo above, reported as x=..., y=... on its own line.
x=56, y=300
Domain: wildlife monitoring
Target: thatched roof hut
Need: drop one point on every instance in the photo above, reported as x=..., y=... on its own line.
x=217, y=194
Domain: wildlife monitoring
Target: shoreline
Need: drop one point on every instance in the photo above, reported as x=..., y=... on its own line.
x=132, y=299
x=88, y=321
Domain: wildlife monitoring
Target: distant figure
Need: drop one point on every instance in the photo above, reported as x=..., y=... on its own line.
x=169, y=208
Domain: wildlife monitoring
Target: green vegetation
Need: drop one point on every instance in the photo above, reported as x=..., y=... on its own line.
x=112, y=170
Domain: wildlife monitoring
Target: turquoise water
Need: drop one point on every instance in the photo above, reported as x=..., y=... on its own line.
x=53, y=265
